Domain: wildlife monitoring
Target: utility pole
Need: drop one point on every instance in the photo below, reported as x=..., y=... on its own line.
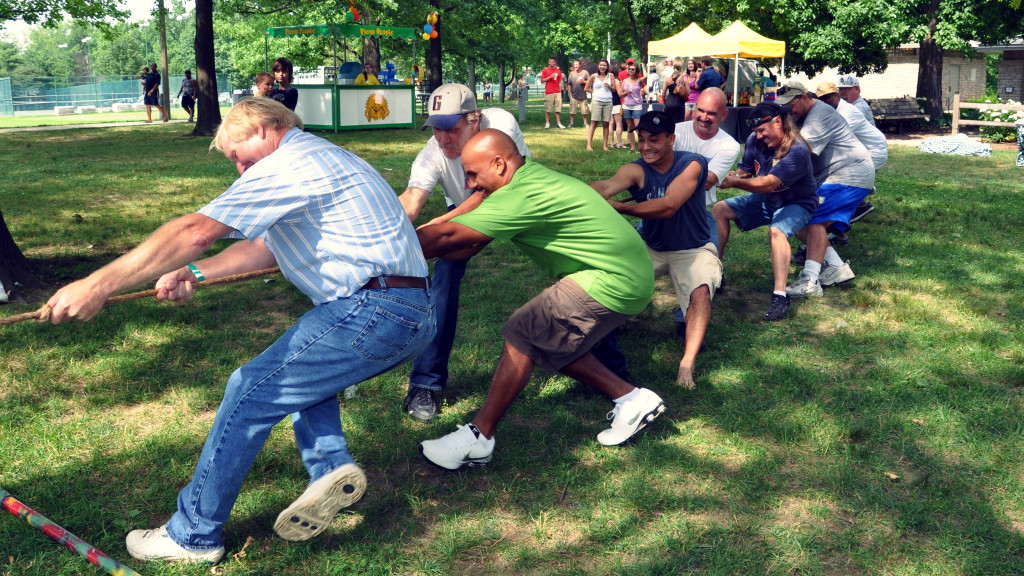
x=163, y=60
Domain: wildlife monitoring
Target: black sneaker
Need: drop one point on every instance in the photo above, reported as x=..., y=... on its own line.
x=863, y=210
x=838, y=238
x=777, y=309
x=421, y=404
x=800, y=256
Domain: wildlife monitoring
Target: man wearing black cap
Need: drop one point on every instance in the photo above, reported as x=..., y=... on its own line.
x=454, y=119
x=668, y=188
x=776, y=170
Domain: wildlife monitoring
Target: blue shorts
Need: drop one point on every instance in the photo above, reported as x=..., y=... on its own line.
x=634, y=114
x=838, y=203
x=751, y=212
x=151, y=99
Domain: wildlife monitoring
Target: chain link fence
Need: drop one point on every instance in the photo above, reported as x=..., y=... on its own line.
x=32, y=96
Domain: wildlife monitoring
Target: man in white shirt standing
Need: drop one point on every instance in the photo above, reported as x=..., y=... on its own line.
x=454, y=119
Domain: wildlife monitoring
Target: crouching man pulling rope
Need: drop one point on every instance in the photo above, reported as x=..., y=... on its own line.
x=339, y=234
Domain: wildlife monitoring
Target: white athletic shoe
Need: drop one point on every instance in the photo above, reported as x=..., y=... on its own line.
x=547, y=124
x=156, y=544
x=451, y=451
x=310, y=514
x=831, y=275
x=804, y=287
x=631, y=417
x=560, y=127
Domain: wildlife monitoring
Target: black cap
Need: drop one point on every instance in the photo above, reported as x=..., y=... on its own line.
x=764, y=112
x=656, y=122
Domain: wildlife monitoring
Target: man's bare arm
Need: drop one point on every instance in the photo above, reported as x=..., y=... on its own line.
x=678, y=192
x=413, y=200
x=451, y=240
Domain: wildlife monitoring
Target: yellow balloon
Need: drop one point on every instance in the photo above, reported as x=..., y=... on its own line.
x=426, y=36
x=432, y=18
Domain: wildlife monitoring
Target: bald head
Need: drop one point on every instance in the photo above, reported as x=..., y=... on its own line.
x=490, y=159
x=711, y=109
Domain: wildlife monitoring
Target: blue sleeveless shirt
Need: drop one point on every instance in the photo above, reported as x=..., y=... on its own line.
x=686, y=229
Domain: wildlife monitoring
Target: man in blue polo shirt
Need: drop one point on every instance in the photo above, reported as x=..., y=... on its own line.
x=709, y=76
x=339, y=234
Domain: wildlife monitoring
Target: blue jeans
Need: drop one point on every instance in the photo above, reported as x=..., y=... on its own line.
x=331, y=347
x=430, y=369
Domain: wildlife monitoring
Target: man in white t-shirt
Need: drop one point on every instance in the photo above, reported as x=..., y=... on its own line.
x=871, y=137
x=454, y=119
x=702, y=135
x=849, y=90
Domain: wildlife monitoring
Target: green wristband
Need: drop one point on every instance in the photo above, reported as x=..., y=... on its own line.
x=195, y=272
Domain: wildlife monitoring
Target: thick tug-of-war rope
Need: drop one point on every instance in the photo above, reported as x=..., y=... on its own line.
x=43, y=314
x=63, y=537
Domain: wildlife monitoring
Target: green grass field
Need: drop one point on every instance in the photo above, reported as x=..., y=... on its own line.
x=878, y=430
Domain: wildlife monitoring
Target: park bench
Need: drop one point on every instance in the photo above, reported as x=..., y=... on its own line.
x=896, y=110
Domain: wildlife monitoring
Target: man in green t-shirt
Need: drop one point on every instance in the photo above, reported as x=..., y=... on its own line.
x=605, y=276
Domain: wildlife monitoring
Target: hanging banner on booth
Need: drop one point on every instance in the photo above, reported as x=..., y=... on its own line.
x=342, y=30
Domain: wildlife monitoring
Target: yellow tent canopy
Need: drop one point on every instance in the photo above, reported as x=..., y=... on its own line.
x=678, y=45
x=738, y=41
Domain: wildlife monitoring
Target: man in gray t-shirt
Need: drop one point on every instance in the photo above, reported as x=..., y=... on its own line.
x=577, y=95
x=845, y=176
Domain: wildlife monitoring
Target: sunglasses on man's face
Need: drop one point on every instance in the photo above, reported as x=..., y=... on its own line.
x=755, y=122
x=784, y=89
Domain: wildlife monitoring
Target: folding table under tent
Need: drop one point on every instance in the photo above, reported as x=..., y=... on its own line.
x=350, y=107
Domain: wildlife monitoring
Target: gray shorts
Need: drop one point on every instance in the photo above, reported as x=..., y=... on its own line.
x=560, y=325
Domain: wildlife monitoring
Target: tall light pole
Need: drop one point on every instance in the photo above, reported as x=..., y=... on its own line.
x=88, y=67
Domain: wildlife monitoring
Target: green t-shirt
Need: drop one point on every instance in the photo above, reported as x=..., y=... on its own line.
x=565, y=227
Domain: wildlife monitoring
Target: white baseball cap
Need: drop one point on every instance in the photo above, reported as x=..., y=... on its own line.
x=848, y=81
x=447, y=104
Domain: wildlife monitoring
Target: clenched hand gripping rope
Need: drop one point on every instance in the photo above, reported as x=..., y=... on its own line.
x=63, y=537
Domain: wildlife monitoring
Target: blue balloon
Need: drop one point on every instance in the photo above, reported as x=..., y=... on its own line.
x=427, y=28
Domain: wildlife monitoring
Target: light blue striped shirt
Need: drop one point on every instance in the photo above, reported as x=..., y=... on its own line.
x=330, y=219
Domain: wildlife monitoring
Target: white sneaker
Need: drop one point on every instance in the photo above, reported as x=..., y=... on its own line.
x=463, y=446
x=631, y=417
x=547, y=124
x=156, y=544
x=310, y=514
x=560, y=127
x=831, y=275
x=804, y=287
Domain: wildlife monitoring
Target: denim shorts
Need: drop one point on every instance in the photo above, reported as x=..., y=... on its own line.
x=634, y=114
x=752, y=212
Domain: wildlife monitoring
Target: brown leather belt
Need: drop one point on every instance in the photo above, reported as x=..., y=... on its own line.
x=385, y=282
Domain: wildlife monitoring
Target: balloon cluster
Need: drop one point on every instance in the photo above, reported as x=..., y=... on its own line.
x=428, y=29
x=353, y=14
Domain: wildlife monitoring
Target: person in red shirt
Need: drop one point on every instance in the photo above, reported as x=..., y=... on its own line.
x=552, y=78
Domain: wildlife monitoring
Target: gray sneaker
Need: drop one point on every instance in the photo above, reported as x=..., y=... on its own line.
x=831, y=275
x=804, y=287
x=421, y=404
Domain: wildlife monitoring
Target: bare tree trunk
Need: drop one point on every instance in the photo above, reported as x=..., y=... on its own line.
x=471, y=75
x=166, y=79
x=501, y=82
x=207, y=106
x=929, y=75
x=371, y=52
x=434, y=56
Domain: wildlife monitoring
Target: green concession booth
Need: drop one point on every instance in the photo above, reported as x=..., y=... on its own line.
x=337, y=104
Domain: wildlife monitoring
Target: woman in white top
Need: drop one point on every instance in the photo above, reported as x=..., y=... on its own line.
x=601, y=85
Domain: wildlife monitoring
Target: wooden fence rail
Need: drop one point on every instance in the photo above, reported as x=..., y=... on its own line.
x=957, y=122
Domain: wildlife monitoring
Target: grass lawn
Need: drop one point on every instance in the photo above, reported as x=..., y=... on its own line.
x=877, y=430
x=95, y=118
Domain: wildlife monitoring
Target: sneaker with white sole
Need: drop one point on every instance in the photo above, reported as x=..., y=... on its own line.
x=630, y=417
x=465, y=446
x=547, y=124
x=804, y=287
x=831, y=275
x=560, y=127
x=311, y=513
x=863, y=210
x=157, y=544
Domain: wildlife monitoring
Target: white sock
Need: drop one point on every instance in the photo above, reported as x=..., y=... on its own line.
x=483, y=440
x=627, y=397
x=832, y=257
x=779, y=292
x=813, y=269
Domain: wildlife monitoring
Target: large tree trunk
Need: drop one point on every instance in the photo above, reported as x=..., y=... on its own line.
x=371, y=52
x=166, y=78
x=207, y=106
x=929, y=75
x=14, y=267
x=471, y=75
x=501, y=82
x=434, y=53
